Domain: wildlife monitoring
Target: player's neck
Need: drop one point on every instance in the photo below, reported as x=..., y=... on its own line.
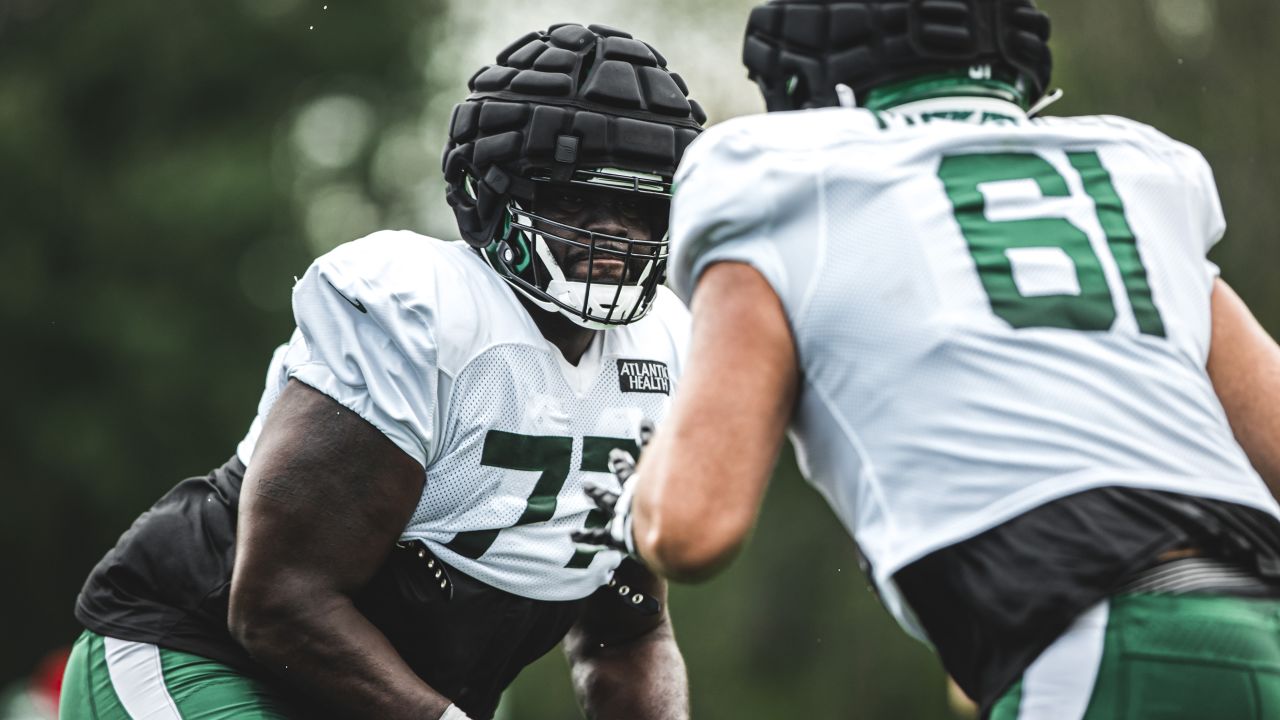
x=945, y=87
x=570, y=338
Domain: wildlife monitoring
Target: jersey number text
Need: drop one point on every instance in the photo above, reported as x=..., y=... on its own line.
x=549, y=455
x=996, y=244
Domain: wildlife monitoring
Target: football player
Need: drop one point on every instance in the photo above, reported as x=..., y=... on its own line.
x=1003, y=357
x=390, y=538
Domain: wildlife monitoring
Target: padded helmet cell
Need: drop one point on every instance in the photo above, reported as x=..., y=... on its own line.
x=559, y=102
x=797, y=51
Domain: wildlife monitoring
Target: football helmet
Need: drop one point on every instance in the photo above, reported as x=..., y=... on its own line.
x=589, y=109
x=799, y=51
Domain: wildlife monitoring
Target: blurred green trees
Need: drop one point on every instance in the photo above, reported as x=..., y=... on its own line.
x=166, y=169
x=150, y=217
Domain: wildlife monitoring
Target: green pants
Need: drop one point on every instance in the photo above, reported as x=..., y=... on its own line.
x=1157, y=657
x=109, y=679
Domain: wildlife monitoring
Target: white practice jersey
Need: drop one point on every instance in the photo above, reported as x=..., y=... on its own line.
x=991, y=312
x=428, y=344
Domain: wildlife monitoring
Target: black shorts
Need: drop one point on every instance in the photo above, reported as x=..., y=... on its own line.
x=167, y=582
x=991, y=604
x=468, y=640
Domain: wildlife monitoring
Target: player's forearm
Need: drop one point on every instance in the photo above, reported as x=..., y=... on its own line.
x=333, y=657
x=1244, y=364
x=681, y=530
x=703, y=480
x=643, y=679
x=701, y=483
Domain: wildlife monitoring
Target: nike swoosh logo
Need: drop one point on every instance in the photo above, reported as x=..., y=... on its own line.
x=354, y=303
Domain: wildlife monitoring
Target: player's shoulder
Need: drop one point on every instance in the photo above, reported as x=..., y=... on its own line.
x=1119, y=129
x=392, y=258
x=413, y=284
x=806, y=131
x=406, y=267
x=739, y=170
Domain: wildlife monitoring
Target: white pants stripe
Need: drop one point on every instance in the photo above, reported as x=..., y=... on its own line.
x=139, y=683
x=1059, y=684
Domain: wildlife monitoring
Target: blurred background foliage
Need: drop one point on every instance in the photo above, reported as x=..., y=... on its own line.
x=166, y=169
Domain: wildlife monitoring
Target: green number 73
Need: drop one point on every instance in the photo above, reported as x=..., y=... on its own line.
x=549, y=455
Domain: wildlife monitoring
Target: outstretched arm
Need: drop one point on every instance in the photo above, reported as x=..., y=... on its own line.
x=1244, y=364
x=323, y=503
x=626, y=665
x=702, y=480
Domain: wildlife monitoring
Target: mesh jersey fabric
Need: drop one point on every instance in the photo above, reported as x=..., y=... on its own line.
x=430, y=346
x=925, y=418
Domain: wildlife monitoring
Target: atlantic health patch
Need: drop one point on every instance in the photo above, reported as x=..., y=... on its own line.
x=644, y=376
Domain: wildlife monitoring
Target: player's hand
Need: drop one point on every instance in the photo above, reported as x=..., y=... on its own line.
x=616, y=533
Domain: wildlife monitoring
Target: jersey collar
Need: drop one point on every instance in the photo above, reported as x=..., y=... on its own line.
x=972, y=110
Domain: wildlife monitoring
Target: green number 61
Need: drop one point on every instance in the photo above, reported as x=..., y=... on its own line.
x=990, y=243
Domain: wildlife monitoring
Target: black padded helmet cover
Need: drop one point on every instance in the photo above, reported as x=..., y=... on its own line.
x=555, y=103
x=797, y=51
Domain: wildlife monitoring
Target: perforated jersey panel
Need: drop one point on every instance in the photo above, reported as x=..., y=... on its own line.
x=479, y=371
x=521, y=390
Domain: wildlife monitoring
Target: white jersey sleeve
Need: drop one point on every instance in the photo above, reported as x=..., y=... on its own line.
x=1202, y=189
x=1195, y=195
x=368, y=347
x=1215, y=222
x=730, y=205
x=712, y=218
